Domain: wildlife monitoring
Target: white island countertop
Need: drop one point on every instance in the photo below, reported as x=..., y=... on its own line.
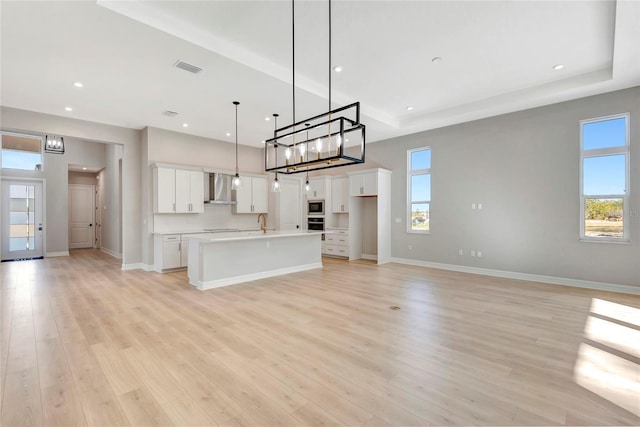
x=250, y=235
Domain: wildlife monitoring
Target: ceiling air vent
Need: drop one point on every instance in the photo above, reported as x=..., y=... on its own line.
x=187, y=67
x=169, y=113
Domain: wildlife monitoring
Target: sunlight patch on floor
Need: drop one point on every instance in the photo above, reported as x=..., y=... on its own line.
x=612, y=374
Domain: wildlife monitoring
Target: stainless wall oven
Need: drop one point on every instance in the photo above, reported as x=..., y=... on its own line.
x=315, y=223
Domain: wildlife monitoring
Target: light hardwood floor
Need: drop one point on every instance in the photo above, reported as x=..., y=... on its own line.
x=84, y=343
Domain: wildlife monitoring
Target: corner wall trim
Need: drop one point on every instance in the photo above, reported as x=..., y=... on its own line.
x=54, y=254
x=601, y=286
x=112, y=253
x=134, y=266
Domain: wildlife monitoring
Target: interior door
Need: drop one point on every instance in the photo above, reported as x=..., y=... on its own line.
x=289, y=204
x=22, y=225
x=82, y=207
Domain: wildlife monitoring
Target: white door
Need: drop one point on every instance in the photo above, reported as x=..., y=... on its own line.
x=22, y=225
x=289, y=204
x=82, y=207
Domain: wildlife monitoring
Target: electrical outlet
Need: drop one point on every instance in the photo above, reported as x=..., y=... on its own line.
x=410, y=247
x=473, y=253
x=268, y=245
x=398, y=219
x=479, y=254
x=473, y=205
x=460, y=252
x=479, y=205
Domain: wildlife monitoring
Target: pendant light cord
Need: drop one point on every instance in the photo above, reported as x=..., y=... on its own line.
x=329, y=57
x=236, y=103
x=293, y=56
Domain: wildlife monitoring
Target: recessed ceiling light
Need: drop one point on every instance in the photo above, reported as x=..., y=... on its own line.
x=84, y=169
x=228, y=133
x=185, y=125
x=436, y=59
x=337, y=68
x=558, y=67
x=78, y=84
x=346, y=140
x=409, y=108
x=262, y=142
x=266, y=119
x=68, y=109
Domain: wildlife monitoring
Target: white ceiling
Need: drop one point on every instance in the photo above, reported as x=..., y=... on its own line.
x=497, y=57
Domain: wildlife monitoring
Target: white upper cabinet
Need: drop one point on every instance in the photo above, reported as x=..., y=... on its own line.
x=178, y=190
x=340, y=195
x=164, y=190
x=317, y=188
x=252, y=196
x=364, y=184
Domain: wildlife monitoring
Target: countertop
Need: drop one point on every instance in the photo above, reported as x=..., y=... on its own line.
x=208, y=230
x=253, y=235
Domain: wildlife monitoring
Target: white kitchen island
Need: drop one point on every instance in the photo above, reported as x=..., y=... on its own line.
x=230, y=258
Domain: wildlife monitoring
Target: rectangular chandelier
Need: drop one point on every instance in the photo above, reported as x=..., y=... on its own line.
x=329, y=140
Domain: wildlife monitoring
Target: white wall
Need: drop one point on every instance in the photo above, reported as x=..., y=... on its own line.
x=30, y=122
x=524, y=168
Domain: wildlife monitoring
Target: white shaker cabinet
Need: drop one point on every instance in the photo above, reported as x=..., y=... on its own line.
x=164, y=190
x=317, y=188
x=177, y=190
x=171, y=256
x=363, y=184
x=189, y=191
x=252, y=196
x=340, y=195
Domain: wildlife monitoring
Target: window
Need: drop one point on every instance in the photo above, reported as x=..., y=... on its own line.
x=418, y=189
x=21, y=152
x=604, y=167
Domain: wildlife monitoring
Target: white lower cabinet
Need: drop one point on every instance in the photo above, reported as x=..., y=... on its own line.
x=172, y=250
x=336, y=243
x=171, y=257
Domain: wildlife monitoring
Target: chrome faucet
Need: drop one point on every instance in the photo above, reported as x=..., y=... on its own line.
x=264, y=222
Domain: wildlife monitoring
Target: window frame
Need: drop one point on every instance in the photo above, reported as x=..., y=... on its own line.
x=410, y=174
x=22, y=135
x=602, y=152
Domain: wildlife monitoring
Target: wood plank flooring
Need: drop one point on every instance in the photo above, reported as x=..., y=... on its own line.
x=84, y=343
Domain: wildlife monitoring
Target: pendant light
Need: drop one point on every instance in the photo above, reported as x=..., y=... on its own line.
x=275, y=185
x=330, y=131
x=236, y=183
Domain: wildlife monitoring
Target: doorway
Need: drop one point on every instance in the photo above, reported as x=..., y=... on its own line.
x=82, y=209
x=22, y=225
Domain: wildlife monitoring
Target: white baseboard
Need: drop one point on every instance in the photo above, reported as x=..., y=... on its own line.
x=370, y=257
x=612, y=287
x=53, y=254
x=135, y=266
x=253, y=276
x=112, y=253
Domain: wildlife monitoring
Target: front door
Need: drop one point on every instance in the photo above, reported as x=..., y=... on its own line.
x=22, y=225
x=82, y=207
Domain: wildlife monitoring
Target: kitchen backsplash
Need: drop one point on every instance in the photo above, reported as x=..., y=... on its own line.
x=214, y=216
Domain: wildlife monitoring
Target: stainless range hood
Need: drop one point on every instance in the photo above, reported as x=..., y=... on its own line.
x=220, y=189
